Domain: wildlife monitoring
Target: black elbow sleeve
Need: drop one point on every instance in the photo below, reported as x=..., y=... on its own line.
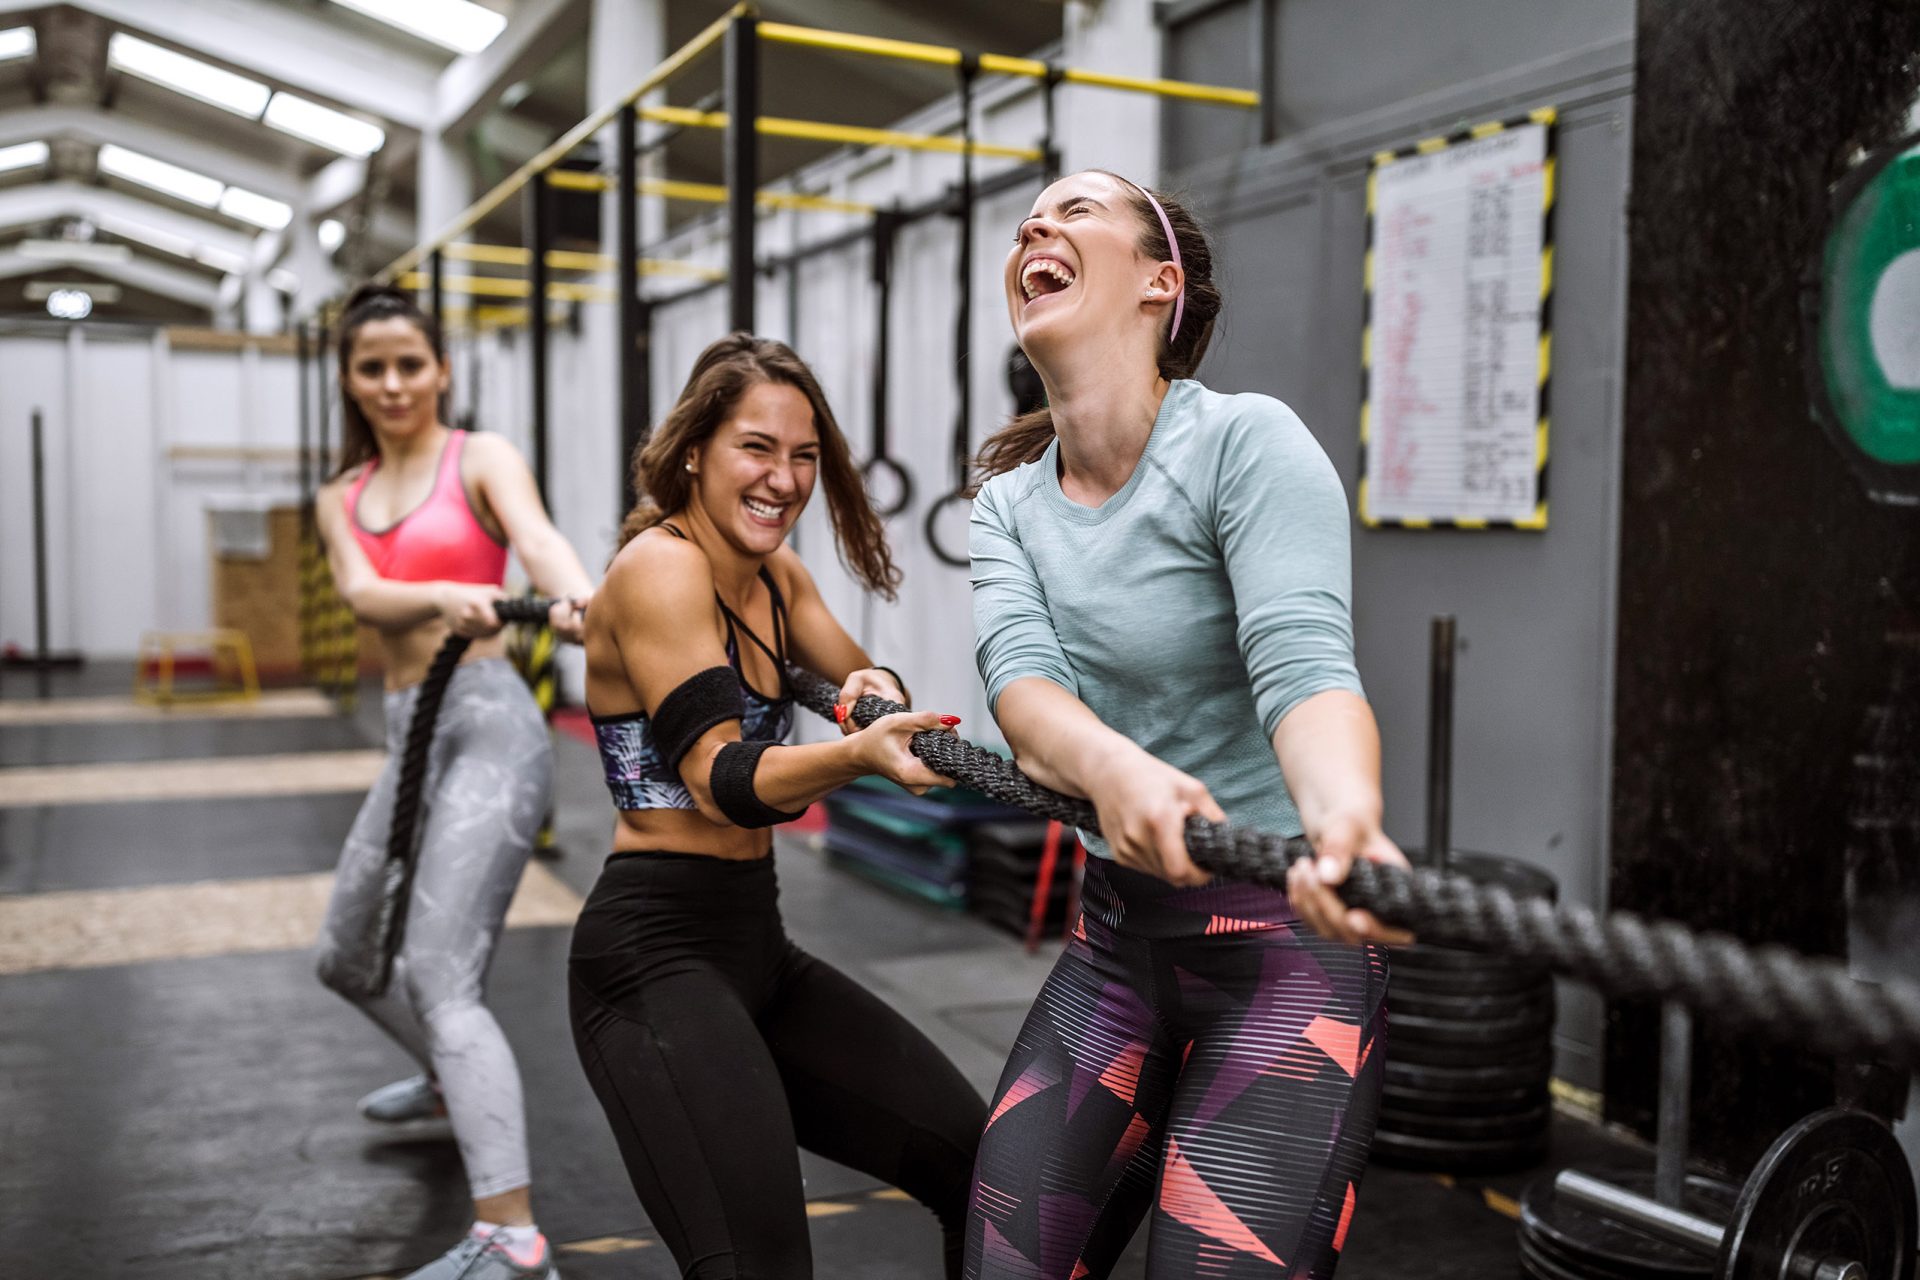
x=701, y=701
x=732, y=786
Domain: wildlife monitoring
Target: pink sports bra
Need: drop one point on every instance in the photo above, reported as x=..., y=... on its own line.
x=441, y=540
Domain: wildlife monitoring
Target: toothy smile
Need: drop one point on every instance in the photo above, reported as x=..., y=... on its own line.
x=1044, y=275
x=765, y=510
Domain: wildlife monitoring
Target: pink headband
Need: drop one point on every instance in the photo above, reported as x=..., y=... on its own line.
x=1173, y=245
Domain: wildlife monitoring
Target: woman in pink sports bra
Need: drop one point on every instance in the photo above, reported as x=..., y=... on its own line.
x=417, y=525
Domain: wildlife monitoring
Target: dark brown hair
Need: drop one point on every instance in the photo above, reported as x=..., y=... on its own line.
x=721, y=377
x=368, y=303
x=1026, y=437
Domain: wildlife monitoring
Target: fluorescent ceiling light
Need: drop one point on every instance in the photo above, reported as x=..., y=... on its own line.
x=283, y=280
x=186, y=75
x=17, y=42
x=333, y=234
x=152, y=237
x=324, y=125
x=69, y=304
x=194, y=188
x=459, y=25
x=23, y=155
x=73, y=251
x=238, y=202
x=219, y=259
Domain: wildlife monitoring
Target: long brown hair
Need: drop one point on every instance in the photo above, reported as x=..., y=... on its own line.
x=368, y=303
x=1026, y=437
x=721, y=377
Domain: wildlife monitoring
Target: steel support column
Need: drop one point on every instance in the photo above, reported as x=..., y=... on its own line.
x=436, y=294
x=742, y=168
x=632, y=351
x=537, y=234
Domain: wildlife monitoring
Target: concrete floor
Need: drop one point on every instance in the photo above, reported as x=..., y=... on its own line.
x=192, y=1115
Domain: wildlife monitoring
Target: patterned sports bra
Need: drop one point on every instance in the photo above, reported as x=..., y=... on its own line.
x=637, y=776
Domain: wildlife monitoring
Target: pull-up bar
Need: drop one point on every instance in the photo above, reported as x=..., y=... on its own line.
x=704, y=192
x=820, y=131
x=513, y=255
x=1000, y=64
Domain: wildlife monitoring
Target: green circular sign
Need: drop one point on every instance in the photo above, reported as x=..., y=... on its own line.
x=1867, y=321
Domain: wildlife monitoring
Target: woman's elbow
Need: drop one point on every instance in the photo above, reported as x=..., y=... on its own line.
x=697, y=778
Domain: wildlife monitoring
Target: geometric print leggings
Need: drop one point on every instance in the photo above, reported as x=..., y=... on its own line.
x=1198, y=1055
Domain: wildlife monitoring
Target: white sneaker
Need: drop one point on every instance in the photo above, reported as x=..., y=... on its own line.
x=415, y=1098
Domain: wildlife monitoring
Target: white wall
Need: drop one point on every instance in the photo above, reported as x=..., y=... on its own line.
x=127, y=535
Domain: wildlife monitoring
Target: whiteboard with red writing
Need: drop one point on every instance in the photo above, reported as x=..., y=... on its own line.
x=1457, y=346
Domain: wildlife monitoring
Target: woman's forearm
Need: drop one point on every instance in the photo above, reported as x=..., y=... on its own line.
x=390, y=605
x=553, y=565
x=1057, y=740
x=1329, y=752
x=787, y=778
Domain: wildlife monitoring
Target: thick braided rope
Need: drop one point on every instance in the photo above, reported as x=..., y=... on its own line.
x=403, y=831
x=1766, y=990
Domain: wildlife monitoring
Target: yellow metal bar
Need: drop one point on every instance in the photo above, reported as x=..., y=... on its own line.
x=817, y=131
x=1000, y=64
x=674, y=64
x=705, y=192
x=506, y=287
x=512, y=255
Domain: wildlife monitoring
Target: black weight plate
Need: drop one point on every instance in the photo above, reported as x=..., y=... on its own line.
x=1427, y=957
x=1440, y=972
x=1528, y=1046
x=1590, y=1242
x=1417, y=1002
x=1459, y=1155
x=1410, y=1028
x=1834, y=1187
x=1521, y=879
x=1541, y=1261
x=1516, y=1124
x=1480, y=1102
x=1472, y=1079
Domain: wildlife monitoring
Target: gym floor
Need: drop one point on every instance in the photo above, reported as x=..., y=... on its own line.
x=177, y=1091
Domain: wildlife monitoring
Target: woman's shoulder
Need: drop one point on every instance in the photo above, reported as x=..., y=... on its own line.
x=484, y=448
x=654, y=566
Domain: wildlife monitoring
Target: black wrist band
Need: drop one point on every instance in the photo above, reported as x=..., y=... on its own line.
x=905, y=696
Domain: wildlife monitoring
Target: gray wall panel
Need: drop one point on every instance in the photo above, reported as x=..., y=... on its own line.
x=1534, y=694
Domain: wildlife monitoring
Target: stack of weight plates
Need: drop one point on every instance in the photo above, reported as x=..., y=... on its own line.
x=1562, y=1240
x=915, y=844
x=1469, y=1048
x=1003, y=867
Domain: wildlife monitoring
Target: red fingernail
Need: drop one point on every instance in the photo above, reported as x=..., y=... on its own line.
x=840, y=713
x=949, y=721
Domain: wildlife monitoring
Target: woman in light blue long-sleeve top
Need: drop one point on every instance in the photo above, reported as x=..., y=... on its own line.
x=1161, y=599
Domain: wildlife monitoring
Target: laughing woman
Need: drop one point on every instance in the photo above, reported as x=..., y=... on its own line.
x=716, y=1046
x=1160, y=591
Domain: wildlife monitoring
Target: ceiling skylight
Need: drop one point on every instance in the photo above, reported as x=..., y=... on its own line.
x=238, y=202
x=333, y=234
x=22, y=155
x=194, y=188
x=219, y=259
x=186, y=75
x=73, y=251
x=324, y=125
x=17, y=42
x=459, y=25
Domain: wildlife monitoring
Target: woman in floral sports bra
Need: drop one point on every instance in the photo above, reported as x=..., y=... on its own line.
x=417, y=525
x=716, y=1046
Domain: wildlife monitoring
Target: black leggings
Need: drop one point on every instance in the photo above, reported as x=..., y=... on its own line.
x=717, y=1048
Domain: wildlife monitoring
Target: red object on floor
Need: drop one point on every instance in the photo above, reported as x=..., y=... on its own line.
x=1043, y=882
x=573, y=722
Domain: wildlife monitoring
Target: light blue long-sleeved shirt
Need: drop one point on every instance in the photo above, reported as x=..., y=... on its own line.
x=1193, y=609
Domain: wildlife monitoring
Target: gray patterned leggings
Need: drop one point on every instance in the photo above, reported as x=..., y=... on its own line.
x=488, y=780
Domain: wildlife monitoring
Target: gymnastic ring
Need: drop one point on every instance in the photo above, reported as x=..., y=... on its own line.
x=933, y=538
x=883, y=463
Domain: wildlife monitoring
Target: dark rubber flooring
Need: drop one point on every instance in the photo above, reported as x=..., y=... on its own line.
x=193, y=1118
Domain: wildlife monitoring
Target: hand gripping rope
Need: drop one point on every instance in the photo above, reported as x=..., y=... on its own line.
x=396, y=887
x=1767, y=990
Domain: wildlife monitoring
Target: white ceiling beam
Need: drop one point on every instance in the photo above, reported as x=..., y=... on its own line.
x=333, y=186
x=91, y=124
x=287, y=44
x=178, y=283
x=539, y=30
x=45, y=201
